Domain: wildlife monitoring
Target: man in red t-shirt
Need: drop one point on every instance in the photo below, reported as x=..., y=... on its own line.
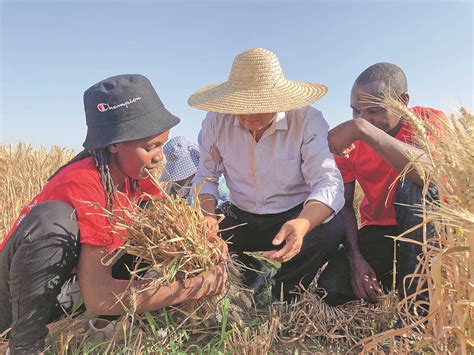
x=372, y=149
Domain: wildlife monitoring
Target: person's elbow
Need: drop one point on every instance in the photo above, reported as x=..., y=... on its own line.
x=93, y=307
x=98, y=299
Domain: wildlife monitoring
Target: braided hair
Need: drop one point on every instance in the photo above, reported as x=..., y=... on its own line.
x=101, y=160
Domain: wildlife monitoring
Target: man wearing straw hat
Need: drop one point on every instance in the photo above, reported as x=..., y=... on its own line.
x=272, y=149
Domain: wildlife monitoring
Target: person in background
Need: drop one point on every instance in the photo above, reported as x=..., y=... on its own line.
x=182, y=161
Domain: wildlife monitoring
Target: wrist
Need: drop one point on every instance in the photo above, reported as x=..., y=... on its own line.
x=353, y=254
x=361, y=126
x=303, y=225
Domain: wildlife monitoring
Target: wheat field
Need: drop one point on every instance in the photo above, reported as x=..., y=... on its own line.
x=446, y=267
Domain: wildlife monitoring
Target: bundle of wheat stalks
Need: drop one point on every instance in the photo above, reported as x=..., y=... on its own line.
x=172, y=242
x=446, y=266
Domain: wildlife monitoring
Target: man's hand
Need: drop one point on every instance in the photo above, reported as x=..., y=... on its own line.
x=342, y=137
x=363, y=279
x=292, y=232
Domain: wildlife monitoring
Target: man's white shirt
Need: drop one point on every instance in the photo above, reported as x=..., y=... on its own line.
x=289, y=165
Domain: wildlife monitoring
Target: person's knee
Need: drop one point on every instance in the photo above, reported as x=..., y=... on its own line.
x=53, y=210
x=335, y=282
x=407, y=204
x=326, y=237
x=410, y=193
x=51, y=222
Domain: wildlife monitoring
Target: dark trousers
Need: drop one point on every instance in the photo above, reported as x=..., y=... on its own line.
x=260, y=230
x=35, y=264
x=378, y=250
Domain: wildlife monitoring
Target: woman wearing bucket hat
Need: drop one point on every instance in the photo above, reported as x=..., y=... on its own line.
x=272, y=149
x=58, y=232
x=182, y=161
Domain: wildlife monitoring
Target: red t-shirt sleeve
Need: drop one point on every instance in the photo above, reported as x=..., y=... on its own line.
x=345, y=167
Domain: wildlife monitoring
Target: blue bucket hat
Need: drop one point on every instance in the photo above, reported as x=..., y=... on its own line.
x=124, y=108
x=182, y=159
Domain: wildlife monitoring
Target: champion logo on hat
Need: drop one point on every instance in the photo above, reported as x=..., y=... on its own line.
x=102, y=107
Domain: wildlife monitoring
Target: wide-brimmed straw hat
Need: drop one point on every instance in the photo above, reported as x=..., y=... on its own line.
x=256, y=84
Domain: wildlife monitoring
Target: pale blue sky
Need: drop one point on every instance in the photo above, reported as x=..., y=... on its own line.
x=51, y=52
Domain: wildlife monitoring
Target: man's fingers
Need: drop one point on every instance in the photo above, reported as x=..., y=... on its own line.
x=283, y=255
x=371, y=294
x=359, y=290
x=374, y=283
x=212, y=223
x=224, y=250
x=276, y=254
x=341, y=154
x=349, y=149
x=220, y=279
x=369, y=289
x=280, y=237
x=376, y=286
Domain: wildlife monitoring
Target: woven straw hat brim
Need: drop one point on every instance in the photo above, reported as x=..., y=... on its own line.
x=229, y=98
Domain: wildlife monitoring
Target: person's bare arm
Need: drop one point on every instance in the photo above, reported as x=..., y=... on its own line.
x=101, y=292
x=350, y=221
x=398, y=154
x=363, y=278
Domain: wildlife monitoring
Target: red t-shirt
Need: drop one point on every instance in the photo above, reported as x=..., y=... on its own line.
x=376, y=176
x=77, y=184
